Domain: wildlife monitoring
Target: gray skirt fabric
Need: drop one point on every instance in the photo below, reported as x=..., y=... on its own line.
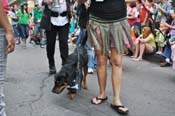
x=113, y=34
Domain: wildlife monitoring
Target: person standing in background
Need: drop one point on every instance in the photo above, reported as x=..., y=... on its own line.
x=23, y=22
x=14, y=22
x=37, y=12
x=7, y=45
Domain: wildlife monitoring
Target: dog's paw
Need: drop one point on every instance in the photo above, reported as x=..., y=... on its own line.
x=84, y=86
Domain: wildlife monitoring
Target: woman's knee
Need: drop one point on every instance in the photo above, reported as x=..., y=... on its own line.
x=116, y=62
x=102, y=62
x=101, y=59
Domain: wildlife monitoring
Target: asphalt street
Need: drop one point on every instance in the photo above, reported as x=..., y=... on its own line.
x=147, y=90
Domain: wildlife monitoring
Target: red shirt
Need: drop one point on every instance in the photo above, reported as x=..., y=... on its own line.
x=143, y=12
x=5, y=4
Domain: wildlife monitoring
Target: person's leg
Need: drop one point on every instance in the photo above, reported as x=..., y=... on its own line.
x=136, y=52
x=50, y=48
x=3, y=59
x=167, y=54
x=16, y=34
x=35, y=32
x=63, y=45
x=116, y=61
x=101, y=72
x=141, y=51
x=173, y=55
x=26, y=29
x=90, y=53
x=145, y=48
x=167, y=51
x=22, y=34
x=80, y=36
x=42, y=40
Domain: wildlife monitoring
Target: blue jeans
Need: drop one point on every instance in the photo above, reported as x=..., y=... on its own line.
x=3, y=59
x=43, y=39
x=16, y=31
x=37, y=30
x=80, y=36
x=167, y=52
x=92, y=61
x=23, y=30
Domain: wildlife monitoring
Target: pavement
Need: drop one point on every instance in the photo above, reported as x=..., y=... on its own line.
x=147, y=89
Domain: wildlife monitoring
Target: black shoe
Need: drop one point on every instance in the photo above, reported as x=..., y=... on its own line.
x=52, y=70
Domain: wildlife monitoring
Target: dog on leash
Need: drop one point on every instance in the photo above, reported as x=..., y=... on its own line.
x=73, y=73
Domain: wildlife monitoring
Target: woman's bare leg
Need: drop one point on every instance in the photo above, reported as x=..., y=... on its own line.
x=136, y=52
x=101, y=70
x=102, y=73
x=142, y=49
x=116, y=60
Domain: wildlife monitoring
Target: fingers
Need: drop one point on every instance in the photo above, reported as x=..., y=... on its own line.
x=10, y=42
x=10, y=47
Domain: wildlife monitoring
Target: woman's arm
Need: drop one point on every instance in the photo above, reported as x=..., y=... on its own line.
x=146, y=39
x=4, y=23
x=168, y=25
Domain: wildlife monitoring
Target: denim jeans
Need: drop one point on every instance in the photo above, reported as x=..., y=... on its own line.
x=16, y=31
x=43, y=39
x=167, y=52
x=23, y=30
x=37, y=30
x=81, y=35
x=92, y=61
x=3, y=58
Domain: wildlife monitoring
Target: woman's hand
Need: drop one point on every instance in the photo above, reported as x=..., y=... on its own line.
x=142, y=40
x=10, y=42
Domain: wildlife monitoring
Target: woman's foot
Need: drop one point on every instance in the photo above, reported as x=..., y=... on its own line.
x=120, y=108
x=98, y=100
x=137, y=59
x=133, y=56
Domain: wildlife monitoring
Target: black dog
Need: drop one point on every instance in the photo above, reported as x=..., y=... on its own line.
x=73, y=73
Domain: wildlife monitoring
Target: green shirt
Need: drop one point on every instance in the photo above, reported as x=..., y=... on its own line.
x=23, y=17
x=37, y=15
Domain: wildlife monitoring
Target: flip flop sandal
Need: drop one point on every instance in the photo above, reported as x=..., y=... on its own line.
x=117, y=109
x=101, y=100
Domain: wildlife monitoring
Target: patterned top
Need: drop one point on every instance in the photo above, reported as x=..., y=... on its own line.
x=172, y=31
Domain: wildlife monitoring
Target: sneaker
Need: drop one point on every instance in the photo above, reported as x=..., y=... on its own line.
x=23, y=45
x=90, y=71
x=167, y=60
x=42, y=46
x=32, y=42
x=18, y=42
x=159, y=53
